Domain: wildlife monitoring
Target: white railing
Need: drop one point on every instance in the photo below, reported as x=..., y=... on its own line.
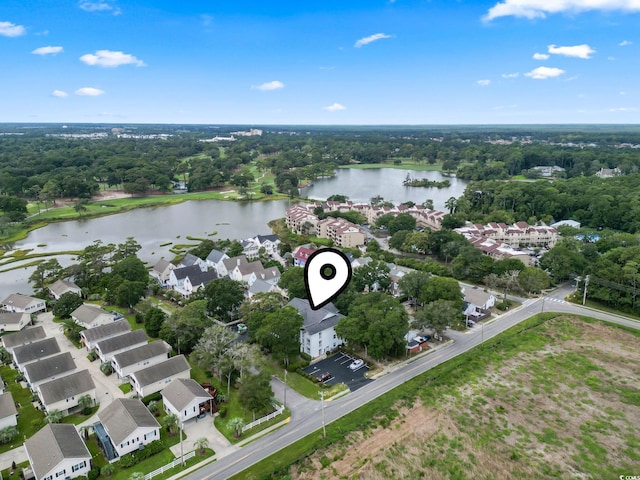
x=169, y=466
x=278, y=411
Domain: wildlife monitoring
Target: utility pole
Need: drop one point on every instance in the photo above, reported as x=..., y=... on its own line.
x=324, y=430
x=586, y=284
x=285, y=388
x=181, y=454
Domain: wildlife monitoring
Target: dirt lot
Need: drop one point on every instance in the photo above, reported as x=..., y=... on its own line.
x=566, y=408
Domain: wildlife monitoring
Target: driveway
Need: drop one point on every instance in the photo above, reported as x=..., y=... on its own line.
x=196, y=429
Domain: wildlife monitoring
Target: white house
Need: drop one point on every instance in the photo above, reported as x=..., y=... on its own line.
x=64, y=393
x=35, y=351
x=23, y=304
x=251, y=246
x=14, y=321
x=226, y=266
x=25, y=337
x=195, y=281
x=60, y=287
x=184, y=398
x=50, y=368
x=8, y=412
x=109, y=347
x=477, y=303
x=57, y=451
x=128, y=425
x=161, y=271
x=90, y=316
x=156, y=377
x=178, y=275
x=141, y=357
x=215, y=258
x=318, y=334
x=91, y=336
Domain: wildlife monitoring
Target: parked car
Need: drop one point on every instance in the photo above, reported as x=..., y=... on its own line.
x=323, y=377
x=242, y=328
x=356, y=364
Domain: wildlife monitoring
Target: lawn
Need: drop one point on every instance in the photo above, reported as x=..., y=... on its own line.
x=125, y=387
x=5, y=475
x=78, y=418
x=30, y=420
x=405, y=165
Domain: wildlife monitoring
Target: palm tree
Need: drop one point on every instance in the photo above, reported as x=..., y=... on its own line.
x=136, y=476
x=153, y=407
x=171, y=423
x=8, y=433
x=237, y=424
x=85, y=403
x=451, y=204
x=107, y=470
x=54, y=416
x=80, y=206
x=201, y=444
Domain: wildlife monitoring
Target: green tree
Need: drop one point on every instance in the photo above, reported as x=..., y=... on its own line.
x=376, y=322
x=236, y=424
x=234, y=249
x=373, y=275
x=129, y=293
x=80, y=206
x=280, y=333
x=54, y=416
x=45, y=273
x=562, y=261
x=66, y=304
x=442, y=288
x=107, y=470
x=413, y=283
x=507, y=264
x=253, y=311
x=170, y=422
x=438, y=315
x=404, y=221
x=8, y=433
x=256, y=392
x=153, y=321
x=201, y=445
x=127, y=249
x=5, y=356
x=223, y=297
x=153, y=407
x=131, y=268
x=293, y=282
x=533, y=280
x=210, y=351
x=85, y=403
x=450, y=204
x=183, y=328
x=71, y=329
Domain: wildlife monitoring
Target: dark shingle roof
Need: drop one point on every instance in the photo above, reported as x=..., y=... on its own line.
x=139, y=354
x=27, y=335
x=182, y=391
x=7, y=405
x=157, y=372
x=121, y=341
x=202, y=278
x=316, y=320
x=215, y=256
x=41, y=369
x=184, y=272
x=66, y=387
x=52, y=444
x=33, y=351
x=189, y=260
x=123, y=416
x=263, y=238
x=106, y=331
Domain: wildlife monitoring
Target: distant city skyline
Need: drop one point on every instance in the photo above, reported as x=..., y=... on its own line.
x=362, y=62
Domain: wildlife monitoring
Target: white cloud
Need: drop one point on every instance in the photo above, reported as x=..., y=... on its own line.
x=511, y=75
x=8, y=29
x=47, y=50
x=623, y=109
x=540, y=56
x=542, y=73
x=540, y=8
x=336, y=107
x=88, y=6
x=371, y=38
x=109, y=58
x=273, y=85
x=59, y=93
x=624, y=43
x=578, y=51
x=483, y=83
x=89, y=92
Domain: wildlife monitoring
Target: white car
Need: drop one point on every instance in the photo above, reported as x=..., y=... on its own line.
x=356, y=364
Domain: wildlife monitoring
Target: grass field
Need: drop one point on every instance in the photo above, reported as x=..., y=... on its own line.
x=554, y=397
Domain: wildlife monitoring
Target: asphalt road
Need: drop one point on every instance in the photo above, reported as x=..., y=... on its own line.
x=307, y=417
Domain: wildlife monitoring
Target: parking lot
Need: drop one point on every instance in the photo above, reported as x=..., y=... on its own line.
x=338, y=368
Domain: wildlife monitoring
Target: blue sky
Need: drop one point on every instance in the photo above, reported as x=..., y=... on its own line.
x=328, y=62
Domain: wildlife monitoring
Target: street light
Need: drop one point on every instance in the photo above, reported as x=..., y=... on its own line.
x=324, y=430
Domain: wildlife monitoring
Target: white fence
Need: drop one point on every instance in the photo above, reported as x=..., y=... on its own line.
x=278, y=411
x=169, y=466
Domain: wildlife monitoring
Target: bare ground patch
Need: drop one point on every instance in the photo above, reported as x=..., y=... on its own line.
x=567, y=410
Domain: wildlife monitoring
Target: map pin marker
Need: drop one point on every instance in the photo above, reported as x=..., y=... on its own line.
x=326, y=274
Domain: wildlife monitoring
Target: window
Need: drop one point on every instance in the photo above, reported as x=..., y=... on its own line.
x=77, y=467
x=59, y=474
x=48, y=478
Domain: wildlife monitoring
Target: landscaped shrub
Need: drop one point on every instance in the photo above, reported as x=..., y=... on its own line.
x=106, y=368
x=223, y=411
x=504, y=305
x=92, y=356
x=93, y=473
x=151, y=398
x=133, y=458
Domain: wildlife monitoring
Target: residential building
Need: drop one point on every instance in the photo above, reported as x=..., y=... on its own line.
x=477, y=303
x=14, y=321
x=57, y=451
x=549, y=170
x=260, y=286
x=24, y=337
x=64, y=393
x=566, y=223
x=42, y=371
x=185, y=398
x=31, y=352
x=499, y=251
x=161, y=271
x=608, y=172
x=23, y=304
x=215, y=258
x=90, y=316
x=91, y=336
x=251, y=246
x=519, y=234
x=8, y=412
x=318, y=334
x=109, y=347
x=342, y=232
x=178, y=276
x=128, y=425
x=190, y=260
x=60, y=287
x=301, y=255
x=301, y=219
x=125, y=363
x=156, y=377
x=228, y=264
x=195, y=281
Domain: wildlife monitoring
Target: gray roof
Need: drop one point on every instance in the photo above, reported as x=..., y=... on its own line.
x=263, y=238
x=316, y=320
x=41, y=369
x=202, y=278
x=12, y=317
x=52, y=444
x=231, y=263
x=107, y=330
x=476, y=296
x=20, y=301
x=161, y=265
x=184, y=272
x=65, y=387
x=249, y=268
x=122, y=341
x=123, y=416
x=189, y=260
x=7, y=405
x=88, y=313
x=157, y=372
x=260, y=286
x=215, y=256
x=28, y=335
x=139, y=354
x=182, y=391
x=33, y=351
x=61, y=286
